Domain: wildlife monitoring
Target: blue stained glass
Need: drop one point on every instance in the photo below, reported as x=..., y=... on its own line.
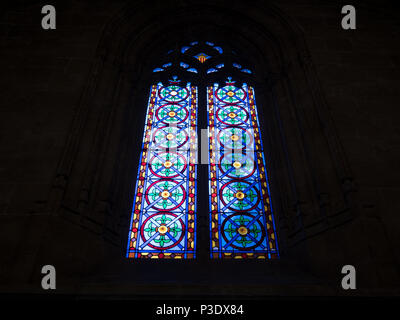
x=219, y=49
x=241, y=218
x=193, y=43
x=210, y=43
x=163, y=222
x=184, y=49
x=202, y=57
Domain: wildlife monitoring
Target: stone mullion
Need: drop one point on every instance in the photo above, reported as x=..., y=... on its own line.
x=311, y=210
x=65, y=168
x=337, y=155
x=294, y=156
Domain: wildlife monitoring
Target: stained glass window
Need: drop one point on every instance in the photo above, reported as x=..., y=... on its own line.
x=202, y=57
x=219, y=49
x=241, y=218
x=246, y=70
x=184, y=49
x=163, y=223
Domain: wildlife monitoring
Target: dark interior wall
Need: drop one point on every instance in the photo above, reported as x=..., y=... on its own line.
x=42, y=81
x=46, y=76
x=358, y=71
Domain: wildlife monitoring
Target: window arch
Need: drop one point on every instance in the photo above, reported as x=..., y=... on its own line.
x=202, y=63
x=163, y=221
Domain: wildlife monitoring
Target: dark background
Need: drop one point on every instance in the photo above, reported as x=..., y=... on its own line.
x=72, y=110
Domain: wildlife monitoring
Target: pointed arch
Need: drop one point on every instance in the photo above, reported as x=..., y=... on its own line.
x=308, y=169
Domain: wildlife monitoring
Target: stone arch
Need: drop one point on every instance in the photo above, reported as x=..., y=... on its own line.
x=310, y=180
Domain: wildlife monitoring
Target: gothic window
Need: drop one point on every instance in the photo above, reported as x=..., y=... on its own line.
x=163, y=221
x=241, y=219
